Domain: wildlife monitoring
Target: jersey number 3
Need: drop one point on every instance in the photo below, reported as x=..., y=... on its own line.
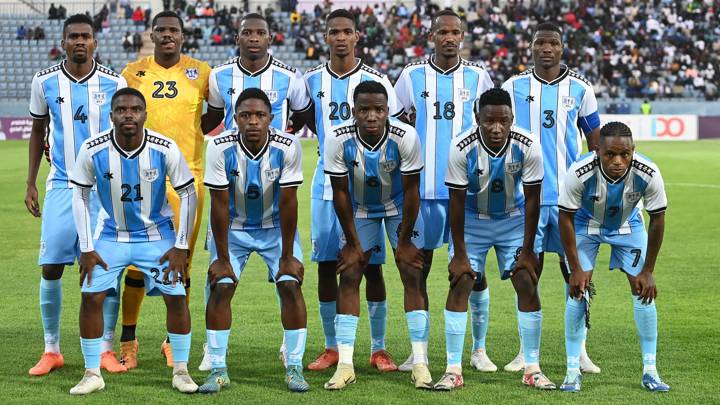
x=171, y=92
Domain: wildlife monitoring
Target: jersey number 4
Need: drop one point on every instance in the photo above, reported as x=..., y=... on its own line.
x=171, y=92
x=80, y=115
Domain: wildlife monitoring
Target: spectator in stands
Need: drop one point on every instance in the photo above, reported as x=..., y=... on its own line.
x=127, y=9
x=29, y=34
x=62, y=12
x=279, y=38
x=137, y=42
x=128, y=41
x=138, y=16
x=39, y=33
x=55, y=53
x=53, y=12
x=21, y=32
x=645, y=107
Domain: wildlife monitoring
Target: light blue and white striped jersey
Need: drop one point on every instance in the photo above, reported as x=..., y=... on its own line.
x=254, y=180
x=79, y=108
x=610, y=207
x=375, y=172
x=283, y=84
x=132, y=188
x=443, y=105
x=332, y=95
x=554, y=112
x=494, y=180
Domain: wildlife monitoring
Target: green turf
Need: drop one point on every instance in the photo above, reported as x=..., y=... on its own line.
x=686, y=276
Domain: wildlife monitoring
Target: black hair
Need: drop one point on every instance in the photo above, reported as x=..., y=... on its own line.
x=442, y=13
x=78, y=19
x=253, y=92
x=369, y=87
x=127, y=91
x=167, y=13
x=255, y=16
x=615, y=128
x=547, y=26
x=494, y=96
x=340, y=13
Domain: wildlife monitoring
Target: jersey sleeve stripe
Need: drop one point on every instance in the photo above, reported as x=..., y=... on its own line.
x=291, y=184
x=86, y=185
x=416, y=171
x=657, y=210
x=567, y=209
x=212, y=107
x=307, y=107
x=398, y=114
x=456, y=186
x=532, y=183
x=217, y=186
x=182, y=186
x=335, y=174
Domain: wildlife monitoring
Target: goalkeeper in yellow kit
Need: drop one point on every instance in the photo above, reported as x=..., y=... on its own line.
x=175, y=87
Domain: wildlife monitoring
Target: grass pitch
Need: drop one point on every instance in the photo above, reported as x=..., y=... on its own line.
x=686, y=273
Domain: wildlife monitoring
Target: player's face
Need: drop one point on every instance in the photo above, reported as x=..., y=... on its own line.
x=371, y=113
x=447, y=36
x=128, y=115
x=253, y=119
x=79, y=42
x=495, y=122
x=253, y=39
x=547, y=48
x=341, y=36
x=615, y=153
x=167, y=35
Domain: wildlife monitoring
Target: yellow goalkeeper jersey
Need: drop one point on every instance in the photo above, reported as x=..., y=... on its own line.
x=174, y=100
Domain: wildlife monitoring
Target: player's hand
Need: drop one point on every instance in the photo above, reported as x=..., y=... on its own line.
x=177, y=265
x=645, y=287
x=31, y=200
x=88, y=261
x=220, y=269
x=579, y=282
x=290, y=266
x=527, y=261
x=349, y=258
x=46, y=151
x=408, y=256
x=458, y=267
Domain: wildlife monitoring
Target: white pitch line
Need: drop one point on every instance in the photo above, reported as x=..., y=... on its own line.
x=699, y=185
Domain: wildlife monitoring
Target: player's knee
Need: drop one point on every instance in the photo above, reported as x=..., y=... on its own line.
x=289, y=290
x=222, y=293
x=351, y=277
x=91, y=301
x=523, y=283
x=327, y=271
x=175, y=303
x=52, y=271
x=373, y=272
x=410, y=276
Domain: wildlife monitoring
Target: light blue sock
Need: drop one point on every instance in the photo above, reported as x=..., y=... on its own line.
x=217, y=341
x=327, y=315
x=646, y=322
x=567, y=295
x=377, y=312
x=530, y=326
x=480, y=315
x=295, y=343
x=345, y=329
x=455, y=325
x=50, y=308
x=419, y=328
x=111, y=306
x=180, y=345
x=91, y=349
x=574, y=333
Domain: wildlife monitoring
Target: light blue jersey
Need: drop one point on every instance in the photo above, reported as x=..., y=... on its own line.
x=283, y=85
x=78, y=108
x=494, y=180
x=609, y=207
x=332, y=95
x=254, y=180
x=375, y=171
x=132, y=190
x=554, y=112
x=443, y=105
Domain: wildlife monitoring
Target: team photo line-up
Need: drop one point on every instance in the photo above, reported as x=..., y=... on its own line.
x=440, y=157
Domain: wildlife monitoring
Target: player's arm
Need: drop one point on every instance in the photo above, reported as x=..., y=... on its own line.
x=290, y=180
x=408, y=254
x=456, y=180
x=655, y=204
x=351, y=254
x=304, y=118
x=568, y=204
x=403, y=96
x=300, y=104
x=532, y=177
x=593, y=138
x=211, y=119
x=589, y=119
x=215, y=106
x=36, y=149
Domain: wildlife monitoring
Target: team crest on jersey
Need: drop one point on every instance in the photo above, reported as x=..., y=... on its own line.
x=272, y=174
x=568, y=103
x=272, y=95
x=150, y=175
x=513, y=167
x=99, y=97
x=463, y=94
x=388, y=165
x=634, y=196
x=192, y=73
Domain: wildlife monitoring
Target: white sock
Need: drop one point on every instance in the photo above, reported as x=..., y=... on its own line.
x=107, y=342
x=419, y=350
x=649, y=370
x=179, y=366
x=53, y=347
x=95, y=371
x=345, y=353
x=454, y=368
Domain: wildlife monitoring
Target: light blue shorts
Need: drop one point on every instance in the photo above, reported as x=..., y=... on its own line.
x=327, y=235
x=143, y=255
x=58, y=236
x=547, y=237
x=265, y=242
x=505, y=235
x=437, y=226
x=372, y=236
x=627, y=251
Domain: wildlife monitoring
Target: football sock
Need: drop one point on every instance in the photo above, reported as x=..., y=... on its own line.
x=377, y=312
x=327, y=314
x=180, y=345
x=132, y=296
x=111, y=305
x=574, y=333
x=50, y=308
x=582, y=347
x=646, y=322
x=295, y=346
x=455, y=325
x=91, y=349
x=530, y=325
x=345, y=329
x=419, y=328
x=217, y=341
x=480, y=316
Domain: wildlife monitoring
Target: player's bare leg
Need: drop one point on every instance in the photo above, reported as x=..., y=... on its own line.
x=327, y=295
x=50, y=310
x=377, y=312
